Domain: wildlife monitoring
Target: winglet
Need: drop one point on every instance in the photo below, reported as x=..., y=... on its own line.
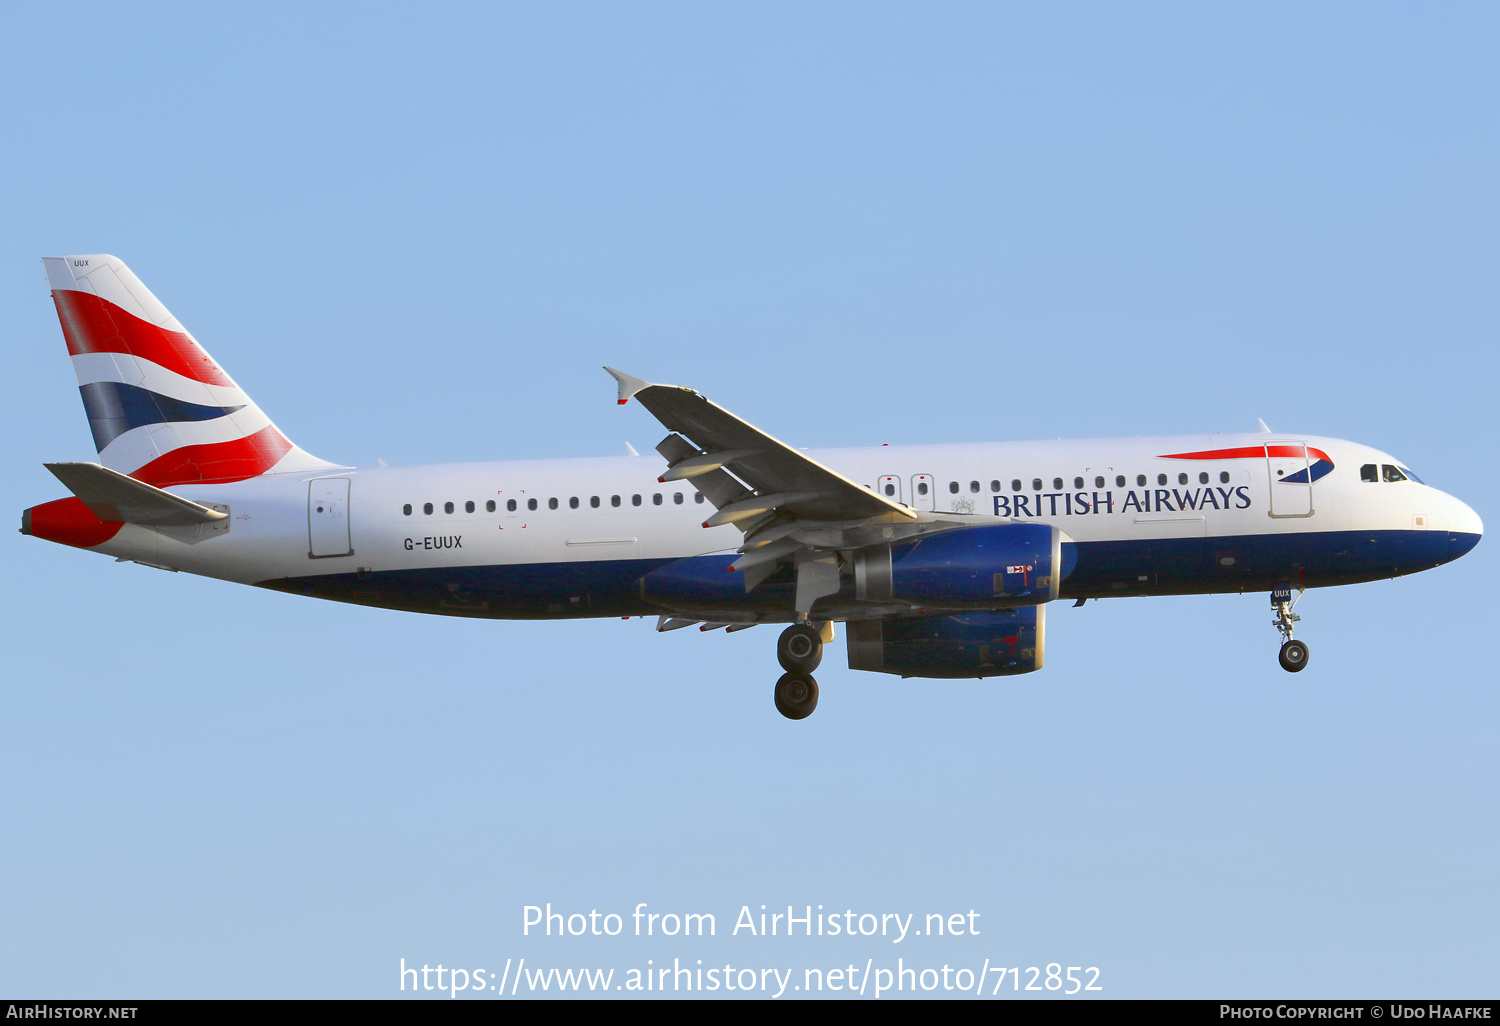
x=629, y=386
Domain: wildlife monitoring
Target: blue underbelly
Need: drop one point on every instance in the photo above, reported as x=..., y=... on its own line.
x=1178, y=566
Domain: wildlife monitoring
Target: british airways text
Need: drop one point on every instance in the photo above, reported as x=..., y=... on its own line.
x=1147, y=500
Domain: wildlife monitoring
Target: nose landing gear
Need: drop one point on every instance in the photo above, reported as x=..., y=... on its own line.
x=800, y=650
x=1293, y=655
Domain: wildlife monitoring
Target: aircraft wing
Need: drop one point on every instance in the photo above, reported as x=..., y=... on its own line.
x=779, y=477
x=791, y=508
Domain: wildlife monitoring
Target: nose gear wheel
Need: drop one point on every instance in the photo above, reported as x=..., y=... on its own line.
x=1293, y=656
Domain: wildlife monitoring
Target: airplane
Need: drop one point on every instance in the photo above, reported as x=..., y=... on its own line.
x=939, y=560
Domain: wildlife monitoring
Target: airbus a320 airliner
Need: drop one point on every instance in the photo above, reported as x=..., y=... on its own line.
x=938, y=559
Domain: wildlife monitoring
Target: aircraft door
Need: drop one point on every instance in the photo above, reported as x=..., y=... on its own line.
x=328, y=518
x=1290, y=471
x=890, y=487
x=922, y=492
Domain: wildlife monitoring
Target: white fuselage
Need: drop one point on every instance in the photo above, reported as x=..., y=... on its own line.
x=614, y=511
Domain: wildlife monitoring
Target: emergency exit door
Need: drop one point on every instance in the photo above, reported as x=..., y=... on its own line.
x=1290, y=469
x=328, y=518
x=923, y=492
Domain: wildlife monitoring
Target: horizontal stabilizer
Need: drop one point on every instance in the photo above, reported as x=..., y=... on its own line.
x=112, y=496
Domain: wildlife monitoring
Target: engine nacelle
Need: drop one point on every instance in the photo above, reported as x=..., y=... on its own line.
x=983, y=567
x=967, y=645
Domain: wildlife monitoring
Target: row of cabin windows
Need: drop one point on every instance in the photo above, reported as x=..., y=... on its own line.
x=1100, y=481
x=511, y=505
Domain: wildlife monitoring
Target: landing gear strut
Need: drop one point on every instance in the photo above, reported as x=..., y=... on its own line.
x=1293, y=653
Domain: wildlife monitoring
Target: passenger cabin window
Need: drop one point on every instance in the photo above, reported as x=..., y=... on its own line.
x=1203, y=477
x=469, y=506
x=489, y=507
x=551, y=503
x=510, y=504
x=1390, y=473
x=1015, y=485
x=922, y=488
x=677, y=498
x=1161, y=479
x=447, y=507
x=614, y=500
x=1120, y=481
x=427, y=508
x=1057, y=484
x=890, y=489
x=1182, y=479
x=973, y=486
x=594, y=501
x=406, y=510
x=635, y=500
x=1140, y=480
x=1369, y=472
x=1077, y=482
x=1036, y=484
x=1223, y=477
x=573, y=502
x=953, y=487
x=656, y=499
x=697, y=496
x=531, y=504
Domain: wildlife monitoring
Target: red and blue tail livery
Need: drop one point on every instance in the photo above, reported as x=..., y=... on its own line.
x=159, y=407
x=939, y=561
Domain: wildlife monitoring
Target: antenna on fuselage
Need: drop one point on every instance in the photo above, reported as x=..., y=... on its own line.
x=1263, y=428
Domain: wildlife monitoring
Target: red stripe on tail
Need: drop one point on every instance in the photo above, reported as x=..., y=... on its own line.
x=217, y=462
x=92, y=325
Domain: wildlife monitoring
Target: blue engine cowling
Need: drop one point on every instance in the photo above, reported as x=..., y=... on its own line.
x=990, y=644
x=972, y=567
x=1007, y=564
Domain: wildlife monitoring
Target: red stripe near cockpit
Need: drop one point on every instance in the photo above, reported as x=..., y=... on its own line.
x=1248, y=452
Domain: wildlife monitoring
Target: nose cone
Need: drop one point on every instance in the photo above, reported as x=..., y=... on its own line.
x=1464, y=529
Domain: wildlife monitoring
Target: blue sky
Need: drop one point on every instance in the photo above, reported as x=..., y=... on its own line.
x=417, y=235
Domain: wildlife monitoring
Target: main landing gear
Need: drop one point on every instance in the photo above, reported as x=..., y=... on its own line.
x=796, y=695
x=1293, y=653
x=800, y=650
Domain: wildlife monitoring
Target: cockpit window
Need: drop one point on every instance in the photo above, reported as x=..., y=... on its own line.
x=1390, y=473
x=1369, y=472
x=1414, y=477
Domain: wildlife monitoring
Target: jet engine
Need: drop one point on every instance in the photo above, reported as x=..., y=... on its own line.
x=988, y=644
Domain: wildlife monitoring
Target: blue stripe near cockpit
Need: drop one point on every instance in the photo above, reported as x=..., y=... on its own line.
x=1319, y=469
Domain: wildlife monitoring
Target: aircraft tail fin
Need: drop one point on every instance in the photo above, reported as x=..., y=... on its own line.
x=161, y=410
